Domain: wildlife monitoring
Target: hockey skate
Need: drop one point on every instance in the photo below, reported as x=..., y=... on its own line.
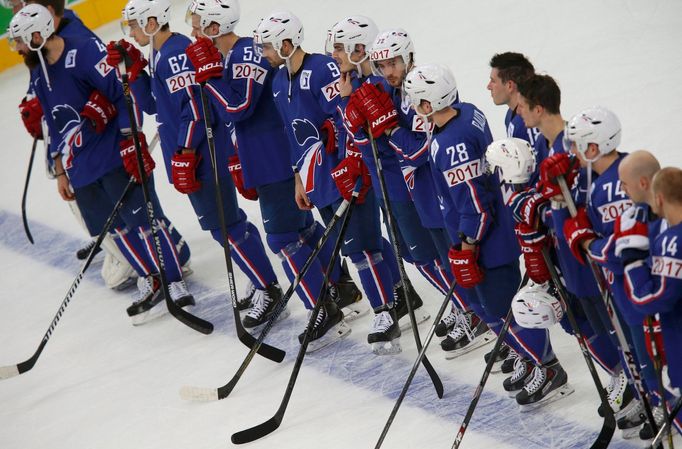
x=646, y=432
x=84, y=252
x=631, y=418
x=244, y=303
x=447, y=323
x=349, y=298
x=385, y=334
x=329, y=327
x=469, y=333
x=546, y=384
x=264, y=304
x=420, y=314
x=500, y=358
x=522, y=371
x=143, y=310
x=618, y=393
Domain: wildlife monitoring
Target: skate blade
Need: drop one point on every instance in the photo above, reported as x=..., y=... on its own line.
x=256, y=329
x=354, y=311
x=480, y=341
x=387, y=347
x=420, y=315
x=336, y=333
x=555, y=395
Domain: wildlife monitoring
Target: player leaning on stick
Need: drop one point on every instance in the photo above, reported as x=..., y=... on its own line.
x=175, y=98
x=91, y=141
x=240, y=88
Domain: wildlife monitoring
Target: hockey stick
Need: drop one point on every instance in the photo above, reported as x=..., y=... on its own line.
x=615, y=322
x=267, y=351
x=14, y=370
x=392, y=228
x=665, y=428
x=272, y=424
x=415, y=365
x=196, y=323
x=609, y=423
x=658, y=368
x=214, y=394
x=23, y=197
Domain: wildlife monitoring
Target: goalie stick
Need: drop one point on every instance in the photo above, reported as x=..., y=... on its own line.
x=267, y=351
x=272, y=424
x=214, y=394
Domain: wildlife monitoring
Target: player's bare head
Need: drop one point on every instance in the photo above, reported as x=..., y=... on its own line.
x=636, y=172
x=508, y=70
x=56, y=7
x=667, y=189
x=539, y=96
x=392, y=55
x=349, y=40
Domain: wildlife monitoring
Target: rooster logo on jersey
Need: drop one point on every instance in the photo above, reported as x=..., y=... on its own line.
x=65, y=115
x=304, y=130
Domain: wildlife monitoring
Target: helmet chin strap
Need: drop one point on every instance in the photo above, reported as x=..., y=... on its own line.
x=588, y=199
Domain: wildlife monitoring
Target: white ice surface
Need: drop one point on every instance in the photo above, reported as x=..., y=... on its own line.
x=103, y=384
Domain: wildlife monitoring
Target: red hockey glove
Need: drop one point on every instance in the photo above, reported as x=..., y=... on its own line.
x=32, y=115
x=329, y=135
x=560, y=164
x=655, y=339
x=527, y=207
x=129, y=157
x=355, y=118
x=133, y=57
x=184, y=172
x=631, y=233
x=346, y=174
x=206, y=59
x=464, y=266
x=532, y=243
x=577, y=230
x=235, y=168
x=376, y=106
x=99, y=111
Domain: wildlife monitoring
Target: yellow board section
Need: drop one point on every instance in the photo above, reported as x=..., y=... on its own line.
x=94, y=13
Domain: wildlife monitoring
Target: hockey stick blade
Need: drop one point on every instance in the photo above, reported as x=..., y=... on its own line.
x=257, y=432
x=265, y=350
x=606, y=434
x=192, y=321
x=9, y=371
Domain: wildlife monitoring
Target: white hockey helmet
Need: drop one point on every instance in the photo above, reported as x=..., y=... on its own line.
x=535, y=308
x=434, y=83
x=142, y=10
x=514, y=158
x=391, y=43
x=30, y=19
x=276, y=28
x=596, y=125
x=351, y=31
x=225, y=13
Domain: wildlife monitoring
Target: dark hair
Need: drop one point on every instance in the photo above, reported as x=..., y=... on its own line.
x=166, y=27
x=542, y=90
x=512, y=67
x=57, y=5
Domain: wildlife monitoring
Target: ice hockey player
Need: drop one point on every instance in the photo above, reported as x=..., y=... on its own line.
x=175, y=98
x=484, y=257
x=88, y=136
x=241, y=89
x=539, y=105
x=652, y=265
x=306, y=94
x=392, y=55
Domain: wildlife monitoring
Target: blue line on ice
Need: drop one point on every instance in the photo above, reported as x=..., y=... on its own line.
x=346, y=360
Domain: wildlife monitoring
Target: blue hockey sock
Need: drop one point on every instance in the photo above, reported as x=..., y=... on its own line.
x=375, y=277
x=181, y=245
x=171, y=262
x=133, y=249
x=311, y=235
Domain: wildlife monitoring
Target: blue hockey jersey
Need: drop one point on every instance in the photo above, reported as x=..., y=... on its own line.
x=516, y=127
x=471, y=198
x=244, y=97
x=304, y=101
x=655, y=286
x=80, y=70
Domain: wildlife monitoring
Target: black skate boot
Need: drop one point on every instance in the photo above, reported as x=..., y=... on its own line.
x=500, y=357
x=148, y=295
x=244, y=303
x=179, y=294
x=546, y=384
x=329, y=326
x=447, y=323
x=522, y=370
x=350, y=296
x=385, y=333
x=263, y=304
x=508, y=364
x=84, y=252
x=401, y=307
x=647, y=432
x=469, y=333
